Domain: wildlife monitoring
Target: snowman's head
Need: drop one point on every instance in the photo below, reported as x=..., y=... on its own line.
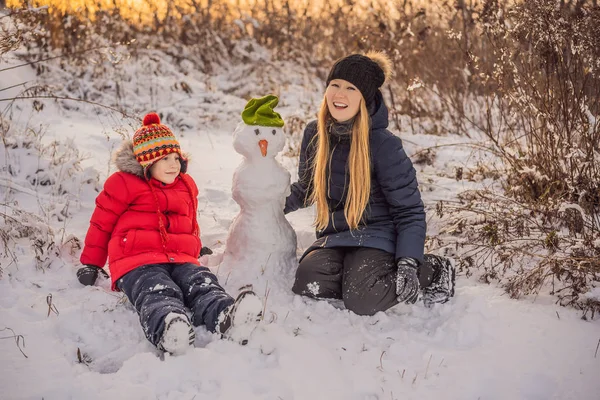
x=258, y=142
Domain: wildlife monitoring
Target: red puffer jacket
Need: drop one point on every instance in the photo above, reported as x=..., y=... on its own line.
x=125, y=225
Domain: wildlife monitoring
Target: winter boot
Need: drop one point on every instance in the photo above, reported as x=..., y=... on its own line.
x=178, y=334
x=442, y=283
x=240, y=319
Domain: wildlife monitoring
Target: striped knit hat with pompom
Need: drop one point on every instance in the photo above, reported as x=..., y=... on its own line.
x=153, y=141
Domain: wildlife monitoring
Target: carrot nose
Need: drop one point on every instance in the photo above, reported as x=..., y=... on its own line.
x=263, y=147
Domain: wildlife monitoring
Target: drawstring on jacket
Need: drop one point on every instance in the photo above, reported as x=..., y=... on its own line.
x=164, y=236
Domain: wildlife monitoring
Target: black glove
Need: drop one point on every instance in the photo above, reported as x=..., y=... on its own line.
x=205, y=251
x=407, y=281
x=88, y=274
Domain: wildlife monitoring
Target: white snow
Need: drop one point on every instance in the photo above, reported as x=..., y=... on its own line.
x=245, y=318
x=481, y=345
x=176, y=337
x=593, y=294
x=314, y=288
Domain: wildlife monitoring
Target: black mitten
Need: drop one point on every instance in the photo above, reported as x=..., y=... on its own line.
x=205, y=251
x=88, y=274
x=407, y=281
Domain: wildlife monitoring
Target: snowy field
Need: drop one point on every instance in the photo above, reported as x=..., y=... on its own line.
x=481, y=345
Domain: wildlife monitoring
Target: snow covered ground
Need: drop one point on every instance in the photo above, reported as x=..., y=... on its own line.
x=481, y=345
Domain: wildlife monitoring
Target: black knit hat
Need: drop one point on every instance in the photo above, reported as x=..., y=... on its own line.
x=362, y=72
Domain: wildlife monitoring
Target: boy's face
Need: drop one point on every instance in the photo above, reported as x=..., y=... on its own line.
x=166, y=169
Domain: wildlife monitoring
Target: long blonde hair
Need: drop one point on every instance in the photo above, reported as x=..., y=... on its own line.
x=359, y=166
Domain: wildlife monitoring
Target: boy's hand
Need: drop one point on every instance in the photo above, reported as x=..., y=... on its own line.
x=88, y=274
x=204, y=251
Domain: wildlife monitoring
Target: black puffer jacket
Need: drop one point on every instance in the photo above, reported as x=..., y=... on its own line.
x=394, y=220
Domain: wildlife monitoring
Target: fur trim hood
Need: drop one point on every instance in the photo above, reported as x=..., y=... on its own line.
x=125, y=161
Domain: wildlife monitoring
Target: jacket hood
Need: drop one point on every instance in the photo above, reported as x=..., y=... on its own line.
x=125, y=161
x=379, y=113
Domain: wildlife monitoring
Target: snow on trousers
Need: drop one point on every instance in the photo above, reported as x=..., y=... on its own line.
x=364, y=278
x=155, y=290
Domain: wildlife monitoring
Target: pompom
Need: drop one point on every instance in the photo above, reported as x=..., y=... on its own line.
x=151, y=118
x=384, y=62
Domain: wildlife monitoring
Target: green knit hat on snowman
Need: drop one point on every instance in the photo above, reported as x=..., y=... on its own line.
x=261, y=112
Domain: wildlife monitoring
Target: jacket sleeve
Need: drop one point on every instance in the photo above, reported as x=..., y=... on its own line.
x=194, y=194
x=397, y=178
x=111, y=203
x=301, y=190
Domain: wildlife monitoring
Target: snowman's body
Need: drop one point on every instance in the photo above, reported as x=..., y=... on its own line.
x=261, y=240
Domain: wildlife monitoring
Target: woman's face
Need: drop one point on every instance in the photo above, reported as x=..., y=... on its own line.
x=343, y=100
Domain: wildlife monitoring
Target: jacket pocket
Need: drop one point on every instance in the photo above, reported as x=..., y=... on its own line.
x=128, y=241
x=184, y=243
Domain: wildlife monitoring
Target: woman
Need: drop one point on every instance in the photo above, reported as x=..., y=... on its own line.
x=370, y=218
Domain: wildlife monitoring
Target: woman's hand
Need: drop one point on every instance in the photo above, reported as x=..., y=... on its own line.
x=407, y=281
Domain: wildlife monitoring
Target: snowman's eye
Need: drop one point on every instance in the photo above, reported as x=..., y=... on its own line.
x=257, y=132
x=274, y=131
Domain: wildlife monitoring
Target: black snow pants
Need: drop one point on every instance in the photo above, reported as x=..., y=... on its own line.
x=156, y=290
x=364, y=278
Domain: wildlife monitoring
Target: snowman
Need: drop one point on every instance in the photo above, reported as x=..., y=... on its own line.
x=261, y=245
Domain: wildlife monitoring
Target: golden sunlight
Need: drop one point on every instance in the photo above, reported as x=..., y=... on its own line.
x=141, y=11
x=130, y=9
